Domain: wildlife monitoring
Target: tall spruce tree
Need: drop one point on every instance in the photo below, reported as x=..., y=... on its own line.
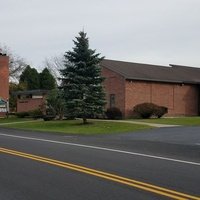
x=30, y=78
x=47, y=81
x=82, y=81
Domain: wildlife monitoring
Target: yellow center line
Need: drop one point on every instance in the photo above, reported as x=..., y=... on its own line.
x=112, y=177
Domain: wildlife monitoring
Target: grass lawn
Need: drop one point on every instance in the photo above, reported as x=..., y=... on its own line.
x=185, y=121
x=13, y=119
x=76, y=127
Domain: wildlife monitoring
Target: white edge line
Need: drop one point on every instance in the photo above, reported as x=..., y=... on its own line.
x=103, y=148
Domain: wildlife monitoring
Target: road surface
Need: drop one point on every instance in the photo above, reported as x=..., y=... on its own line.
x=158, y=164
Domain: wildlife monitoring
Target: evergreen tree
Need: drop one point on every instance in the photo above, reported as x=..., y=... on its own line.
x=82, y=81
x=47, y=81
x=30, y=78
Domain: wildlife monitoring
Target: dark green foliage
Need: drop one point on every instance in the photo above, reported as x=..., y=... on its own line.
x=160, y=111
x=55, y=104
x=82, y=81
x=50, y=114
x=30, y=77
x=147, y=110
x=113, y=113
x=144, y=110
x=35, y=114
x=47, y=81
x=48, y=117
x=22, y=114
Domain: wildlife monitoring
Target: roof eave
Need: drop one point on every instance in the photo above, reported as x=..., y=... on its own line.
x=162, y=80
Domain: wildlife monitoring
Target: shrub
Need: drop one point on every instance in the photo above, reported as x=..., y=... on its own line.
x=144, y=110
x=48, y=117
x=36, y=114
x=113, y=113
x=50, y=114
x=160, y=111
x=22, y=114
x=147, y=110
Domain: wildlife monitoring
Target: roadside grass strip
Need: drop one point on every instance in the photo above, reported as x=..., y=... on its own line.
x=76, y=127
x=108, y=176
x=17, y=122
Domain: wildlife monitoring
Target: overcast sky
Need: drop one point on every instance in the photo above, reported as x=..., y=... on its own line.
x=147, y=31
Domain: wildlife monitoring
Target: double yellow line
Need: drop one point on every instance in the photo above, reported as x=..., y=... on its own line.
x=112, y=177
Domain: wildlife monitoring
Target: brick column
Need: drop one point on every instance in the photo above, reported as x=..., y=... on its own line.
x=4, y=77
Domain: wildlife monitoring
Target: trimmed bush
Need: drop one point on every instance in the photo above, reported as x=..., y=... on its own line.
x=48, y=117
x=144, y=110
x=113, y=113
x=22, y=114
x=36, y=114
x=50, y=114
x=147, y=110
x=160, y=111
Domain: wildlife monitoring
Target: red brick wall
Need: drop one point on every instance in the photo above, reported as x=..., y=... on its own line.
x=180, y=99
x=114, y=84
x=24, y=105
x=186, y=100
x=2, y=114
x=4, y=77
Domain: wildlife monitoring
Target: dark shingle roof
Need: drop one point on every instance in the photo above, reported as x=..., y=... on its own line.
x=138, y=71
x=33, y=92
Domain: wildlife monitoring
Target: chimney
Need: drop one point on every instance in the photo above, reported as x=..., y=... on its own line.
x=4, y=77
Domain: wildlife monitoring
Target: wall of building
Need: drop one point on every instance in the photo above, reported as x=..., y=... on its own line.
x=4, y=80
x=4, y=77
x=179, y=99
x=114, y=84
x=24, y=105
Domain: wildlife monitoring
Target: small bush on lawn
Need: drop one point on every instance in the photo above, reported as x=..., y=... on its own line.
x=113, y=113
x=22, y=114
x=50, y=114
x=48, y=118
x=36, y=114
x=147, y=110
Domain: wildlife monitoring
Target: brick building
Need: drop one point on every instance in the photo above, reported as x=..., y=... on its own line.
x=175, y=87
x=4, y=83
x=30, y=100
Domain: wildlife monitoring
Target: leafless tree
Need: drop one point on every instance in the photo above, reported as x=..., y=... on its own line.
x=16, y=63
x=54, y=65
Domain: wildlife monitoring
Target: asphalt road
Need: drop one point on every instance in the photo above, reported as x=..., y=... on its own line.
x=164, y=157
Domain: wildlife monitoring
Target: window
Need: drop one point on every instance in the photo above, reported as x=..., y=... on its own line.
x=112, y=100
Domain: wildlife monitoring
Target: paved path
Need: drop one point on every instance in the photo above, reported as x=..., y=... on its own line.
x=121, y=121
x=142, y=123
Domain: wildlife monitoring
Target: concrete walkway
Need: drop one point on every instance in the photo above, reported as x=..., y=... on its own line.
x=142, y=123
x=120, y=121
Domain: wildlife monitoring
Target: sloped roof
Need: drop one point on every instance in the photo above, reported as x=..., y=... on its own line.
x=33, y=92
x=138, y=71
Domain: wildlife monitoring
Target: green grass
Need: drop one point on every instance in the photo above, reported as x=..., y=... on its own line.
x=76, y=127
x=13, y=119
x=185, y=121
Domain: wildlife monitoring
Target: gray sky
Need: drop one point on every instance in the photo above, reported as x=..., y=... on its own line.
x=146, y=31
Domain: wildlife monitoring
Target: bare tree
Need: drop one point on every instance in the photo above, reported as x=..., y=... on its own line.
x=16, y=63
x=54, y=65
